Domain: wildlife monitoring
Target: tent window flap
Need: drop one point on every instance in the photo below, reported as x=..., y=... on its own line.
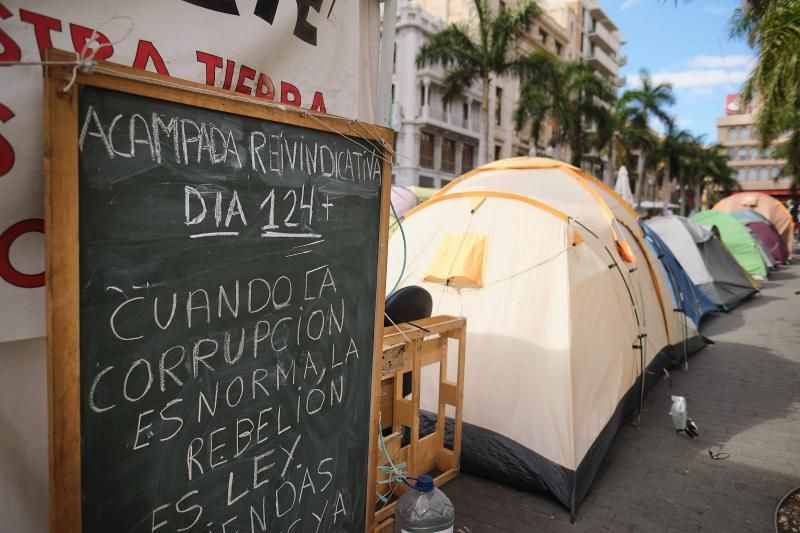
x=459, y=261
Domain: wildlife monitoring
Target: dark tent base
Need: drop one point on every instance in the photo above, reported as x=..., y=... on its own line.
x=490, y=455
x=726, y=295
x=731, y=285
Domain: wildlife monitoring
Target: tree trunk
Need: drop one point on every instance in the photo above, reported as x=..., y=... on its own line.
x=666, y=194
x=640, y=178
x=682, y=196
x=611, y=167
x=698, y=194
x=484, y=152
x=577, y=144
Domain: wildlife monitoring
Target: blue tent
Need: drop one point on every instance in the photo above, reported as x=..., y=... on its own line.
x=695, y=302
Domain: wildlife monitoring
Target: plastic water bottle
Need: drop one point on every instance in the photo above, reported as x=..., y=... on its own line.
x=425, y=509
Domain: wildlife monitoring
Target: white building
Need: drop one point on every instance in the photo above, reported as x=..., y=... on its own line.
x=436, y=142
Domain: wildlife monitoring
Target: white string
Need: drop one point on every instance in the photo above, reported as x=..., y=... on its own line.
x=393, y=152
x=398, y=328
x=85, y=59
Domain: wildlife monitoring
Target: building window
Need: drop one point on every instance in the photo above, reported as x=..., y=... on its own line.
x=426, y=181
x=752, y=174
x=765, y=153
x=426, y=150
x=498, y=105
x=465, y=114
x=543, y=36
x=740, y=175
x=445, y=183
x=558, y=49
x=742, y=154
x=731, y=154
x=744, y=133
x=754, y=153
x=448, y=155
x=732, y=134
x=467, y=158
x=776, y=171
x=763, y=173
x=497, y=152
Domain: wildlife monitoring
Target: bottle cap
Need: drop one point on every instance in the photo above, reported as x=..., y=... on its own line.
x=424, y=484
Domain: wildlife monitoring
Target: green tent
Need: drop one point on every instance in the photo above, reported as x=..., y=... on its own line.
x=737, y=239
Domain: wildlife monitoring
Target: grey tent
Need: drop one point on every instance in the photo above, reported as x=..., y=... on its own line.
x=705, y=259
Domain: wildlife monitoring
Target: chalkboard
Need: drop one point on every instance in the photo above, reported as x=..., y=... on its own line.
x=226, y=265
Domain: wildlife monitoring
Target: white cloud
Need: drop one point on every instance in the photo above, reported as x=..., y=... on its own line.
x=729, y=61
x=694, y=78
x=702, y=93
x=629, y=4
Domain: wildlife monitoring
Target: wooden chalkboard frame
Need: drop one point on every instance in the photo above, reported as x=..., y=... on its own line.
x=62, y=258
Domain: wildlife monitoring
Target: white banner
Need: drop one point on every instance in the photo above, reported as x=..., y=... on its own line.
x=316, y=54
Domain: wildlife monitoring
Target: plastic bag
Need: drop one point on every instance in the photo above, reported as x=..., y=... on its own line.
x=680, y=417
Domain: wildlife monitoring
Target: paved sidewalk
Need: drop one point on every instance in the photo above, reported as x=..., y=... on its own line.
x=743, y=392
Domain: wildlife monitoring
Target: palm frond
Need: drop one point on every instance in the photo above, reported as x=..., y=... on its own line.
x=506, y=28
x=457, y=80
x=451, y=46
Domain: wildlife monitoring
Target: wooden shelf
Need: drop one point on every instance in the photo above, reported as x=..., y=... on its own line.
x=408, y=348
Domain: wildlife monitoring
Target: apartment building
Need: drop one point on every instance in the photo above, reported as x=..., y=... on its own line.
x=436, y=142
x=596, y=36
x=598, y=42
x=755, y=168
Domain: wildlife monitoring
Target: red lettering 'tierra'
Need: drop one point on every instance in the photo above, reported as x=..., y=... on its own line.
x=318, y=104
x=265, y=88
x=229, y=66
x=7, y=270
x=147, y=52
x=245, y=74
x=7, y=156
x=11, y=51
x=290, y=95
x=212, y=63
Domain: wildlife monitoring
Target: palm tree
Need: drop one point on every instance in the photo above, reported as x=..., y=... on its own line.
x=479, y=52
x=622, y=136
x=649, y=100
x=790, y=151
x=716, y=174
x=591, y=97
x=772, y=28
x=540, y=96
x=675, y=150
x=571, y=95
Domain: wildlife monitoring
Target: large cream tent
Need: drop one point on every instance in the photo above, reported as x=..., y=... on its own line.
x=768, y=206
x=565, y=309
x=594, y=206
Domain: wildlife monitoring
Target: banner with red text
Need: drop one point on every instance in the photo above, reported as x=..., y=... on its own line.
x=315, y=54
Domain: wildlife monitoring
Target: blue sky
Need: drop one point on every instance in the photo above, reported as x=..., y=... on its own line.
x=687, y=45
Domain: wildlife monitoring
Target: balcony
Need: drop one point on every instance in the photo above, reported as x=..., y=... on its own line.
x=602, y=62
x=437, y=118
x=601, y=36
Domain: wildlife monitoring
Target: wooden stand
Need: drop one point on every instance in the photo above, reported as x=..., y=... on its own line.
x=409, y=348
